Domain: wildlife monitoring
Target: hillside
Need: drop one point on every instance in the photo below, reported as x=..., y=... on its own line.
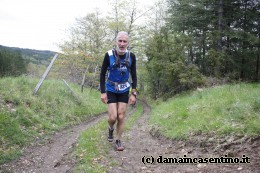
x=32, y=55
x=227, y=110
x=25, y=117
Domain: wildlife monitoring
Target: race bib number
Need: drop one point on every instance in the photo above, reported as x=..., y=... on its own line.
x=122, y=87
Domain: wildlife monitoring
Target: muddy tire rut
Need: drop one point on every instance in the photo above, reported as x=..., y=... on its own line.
x=141, y=142
x=54, y=155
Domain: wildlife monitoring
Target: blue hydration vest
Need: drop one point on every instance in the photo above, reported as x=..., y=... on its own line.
x=118, y=72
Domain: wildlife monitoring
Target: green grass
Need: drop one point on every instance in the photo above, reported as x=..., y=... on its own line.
x=25, y=116
x=93, y=147
x=222, y=110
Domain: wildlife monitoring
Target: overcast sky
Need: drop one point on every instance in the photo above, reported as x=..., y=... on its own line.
x=41, y=24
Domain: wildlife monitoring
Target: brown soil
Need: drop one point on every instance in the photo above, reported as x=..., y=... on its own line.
x=142, y=143
x=146, y=142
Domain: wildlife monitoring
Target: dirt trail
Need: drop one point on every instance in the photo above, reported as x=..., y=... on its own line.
x=54, y=155
x=142, y=142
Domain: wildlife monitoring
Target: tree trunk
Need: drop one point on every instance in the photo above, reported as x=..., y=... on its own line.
x=203, y=51
x=220, y=24
x=84, y=79
x=257, y=67
x=244, y=45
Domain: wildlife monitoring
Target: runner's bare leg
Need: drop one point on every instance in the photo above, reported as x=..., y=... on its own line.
x=121, y=119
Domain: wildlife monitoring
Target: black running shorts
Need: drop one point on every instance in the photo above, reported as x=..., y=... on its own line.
x=116, y=97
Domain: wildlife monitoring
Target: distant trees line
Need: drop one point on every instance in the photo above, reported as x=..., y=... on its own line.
x=16, y=61
x=11, y=62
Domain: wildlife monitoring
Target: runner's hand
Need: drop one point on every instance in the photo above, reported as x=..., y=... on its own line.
x=132, y=100
x=104, y=98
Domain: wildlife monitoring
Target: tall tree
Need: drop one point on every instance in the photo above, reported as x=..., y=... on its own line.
x=88, y=40
x=94, y=34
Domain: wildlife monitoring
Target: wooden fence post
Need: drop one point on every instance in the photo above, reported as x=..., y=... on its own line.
x=94, y=77
x=84, y=78
x=45, y=74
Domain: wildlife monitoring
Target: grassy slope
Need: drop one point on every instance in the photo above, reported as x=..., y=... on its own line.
x=24, y=117
x=223, y=110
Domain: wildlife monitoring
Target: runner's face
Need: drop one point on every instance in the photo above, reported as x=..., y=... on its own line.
x=122, y=43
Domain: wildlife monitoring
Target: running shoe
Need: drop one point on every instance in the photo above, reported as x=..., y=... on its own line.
x=119, y=147
x=110, y=135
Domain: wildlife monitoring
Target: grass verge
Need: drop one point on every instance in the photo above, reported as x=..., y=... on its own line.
x=222, y=110
x=25, y=117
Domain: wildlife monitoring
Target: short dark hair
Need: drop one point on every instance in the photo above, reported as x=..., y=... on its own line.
x=122, y=33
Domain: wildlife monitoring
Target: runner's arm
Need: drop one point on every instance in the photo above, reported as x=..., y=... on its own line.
x=133, y=72
x=104, y=67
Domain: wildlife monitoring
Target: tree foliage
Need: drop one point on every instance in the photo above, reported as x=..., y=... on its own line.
x=183, y=42
x=225, y=35
x=168, y=69
x=84, y=47
x=11, y=63
x=94, y=34
x=213, y=38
